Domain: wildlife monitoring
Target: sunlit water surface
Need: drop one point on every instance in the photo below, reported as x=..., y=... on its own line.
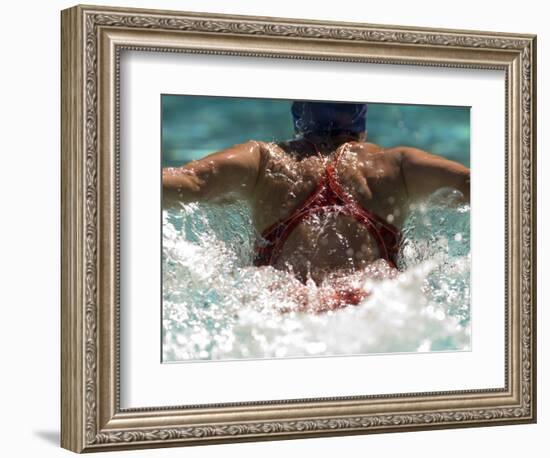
x=216, y=305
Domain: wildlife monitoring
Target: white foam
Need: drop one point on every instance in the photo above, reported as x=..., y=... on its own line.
x=216, y=305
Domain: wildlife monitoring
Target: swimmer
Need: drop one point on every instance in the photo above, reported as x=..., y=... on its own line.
x=326, y=203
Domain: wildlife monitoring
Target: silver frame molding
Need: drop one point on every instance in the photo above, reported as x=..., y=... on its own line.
x=92, y=40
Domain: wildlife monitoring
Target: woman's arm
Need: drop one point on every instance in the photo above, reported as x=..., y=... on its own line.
x=229, y=173
x=424, y=173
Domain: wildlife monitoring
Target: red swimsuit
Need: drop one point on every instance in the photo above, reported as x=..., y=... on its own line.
x=329, y=196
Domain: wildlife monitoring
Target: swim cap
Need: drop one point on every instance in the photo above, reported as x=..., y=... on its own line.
x=330, y=118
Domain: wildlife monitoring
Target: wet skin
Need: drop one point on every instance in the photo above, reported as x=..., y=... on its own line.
x=275, y=179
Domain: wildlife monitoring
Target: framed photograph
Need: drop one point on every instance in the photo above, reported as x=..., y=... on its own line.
x=279, y=228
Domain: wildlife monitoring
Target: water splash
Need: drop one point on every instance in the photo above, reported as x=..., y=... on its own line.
x=216, y=305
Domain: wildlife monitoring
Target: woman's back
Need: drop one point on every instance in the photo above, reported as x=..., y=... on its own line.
x=315, y=238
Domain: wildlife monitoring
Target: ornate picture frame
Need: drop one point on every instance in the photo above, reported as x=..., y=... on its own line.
x=93, y=39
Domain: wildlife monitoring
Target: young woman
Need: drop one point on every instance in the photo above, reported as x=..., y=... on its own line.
x=328, y=204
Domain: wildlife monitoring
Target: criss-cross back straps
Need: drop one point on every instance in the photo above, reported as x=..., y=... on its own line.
x=328, y=193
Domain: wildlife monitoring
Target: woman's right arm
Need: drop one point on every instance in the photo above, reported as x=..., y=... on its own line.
x=229, y=173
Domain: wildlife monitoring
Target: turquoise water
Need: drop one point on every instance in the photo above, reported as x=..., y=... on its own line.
x=216, y=305
x=193, y=126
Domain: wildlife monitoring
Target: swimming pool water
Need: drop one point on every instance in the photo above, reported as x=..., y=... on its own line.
x=216, y=305
x=194, y=126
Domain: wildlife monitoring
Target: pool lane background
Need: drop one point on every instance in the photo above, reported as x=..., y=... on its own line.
x=195, y=126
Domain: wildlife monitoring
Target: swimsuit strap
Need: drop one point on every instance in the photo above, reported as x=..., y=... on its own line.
x=385, y=234
x=332, y=165
x=378, y=224
x=374, y=223
x=321, y=185
x=276, y=234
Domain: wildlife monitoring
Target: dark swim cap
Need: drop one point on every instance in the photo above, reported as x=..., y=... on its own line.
x=330, y=118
